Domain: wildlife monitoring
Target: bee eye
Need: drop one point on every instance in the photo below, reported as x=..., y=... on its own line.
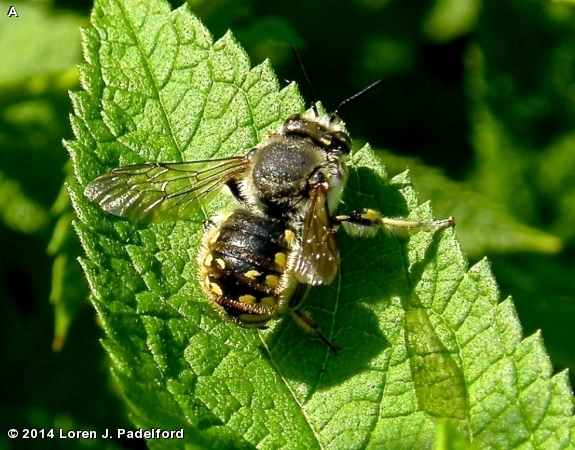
x=341, y=142
x=293, y=118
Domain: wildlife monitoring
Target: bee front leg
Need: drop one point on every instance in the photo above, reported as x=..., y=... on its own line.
x=366, y=222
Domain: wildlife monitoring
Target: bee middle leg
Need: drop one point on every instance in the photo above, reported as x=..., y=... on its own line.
x=305, y=321
x=308, y=324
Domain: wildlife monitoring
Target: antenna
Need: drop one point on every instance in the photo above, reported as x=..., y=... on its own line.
x=354, y=97
x=306, y=79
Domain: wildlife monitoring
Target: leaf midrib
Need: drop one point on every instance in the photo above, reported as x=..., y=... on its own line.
x=149, y=72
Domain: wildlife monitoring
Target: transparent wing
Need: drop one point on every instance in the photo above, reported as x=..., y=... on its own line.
x=162, y=191
x=318, y=260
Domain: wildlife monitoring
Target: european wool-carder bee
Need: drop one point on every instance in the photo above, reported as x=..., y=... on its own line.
x=258, y=260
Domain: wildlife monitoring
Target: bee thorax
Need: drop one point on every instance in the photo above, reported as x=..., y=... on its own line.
x=281, y=174
x=283, y=167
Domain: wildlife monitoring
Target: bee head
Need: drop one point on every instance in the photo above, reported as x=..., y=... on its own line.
x=322, y=130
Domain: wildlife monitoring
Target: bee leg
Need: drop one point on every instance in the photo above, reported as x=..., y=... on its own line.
x=234, y=188
x=368, y=221
x=307, y=323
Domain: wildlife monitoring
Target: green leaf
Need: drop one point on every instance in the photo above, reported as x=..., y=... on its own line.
x=17, y=210
x=422, y=337
x=556, y=180
x=449, y=438
x=30, y=127
x=34, y=66
x=56, y=51
x=474, y=212
x=450, y=19
x=69, y=289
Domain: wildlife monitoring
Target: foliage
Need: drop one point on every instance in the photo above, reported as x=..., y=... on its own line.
x=501, y=111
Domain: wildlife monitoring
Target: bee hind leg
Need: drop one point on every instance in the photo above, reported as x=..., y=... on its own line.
x=367, y=222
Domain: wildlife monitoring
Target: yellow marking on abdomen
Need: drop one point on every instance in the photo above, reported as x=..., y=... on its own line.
x=208, y=260
x=272, y=281
x=280, y=259
x=289, y=236
x=251, y=274
x=214, y=287
x=213, y=237
x=248, y=299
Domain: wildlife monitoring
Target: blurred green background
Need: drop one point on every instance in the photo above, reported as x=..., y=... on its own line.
x=478, y=101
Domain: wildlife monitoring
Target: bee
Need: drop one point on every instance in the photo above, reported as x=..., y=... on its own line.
x=258, y=260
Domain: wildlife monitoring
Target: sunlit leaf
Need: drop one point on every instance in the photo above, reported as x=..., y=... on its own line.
x=423, y=337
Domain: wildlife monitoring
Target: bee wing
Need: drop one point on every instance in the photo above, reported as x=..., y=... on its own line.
x=162, y=191
x=318, y=259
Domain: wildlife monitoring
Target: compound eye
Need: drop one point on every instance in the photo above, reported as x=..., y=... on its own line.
x=342, y=142
x=294, y=118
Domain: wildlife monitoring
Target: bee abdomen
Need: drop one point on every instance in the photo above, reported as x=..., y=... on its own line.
x=243, y=266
